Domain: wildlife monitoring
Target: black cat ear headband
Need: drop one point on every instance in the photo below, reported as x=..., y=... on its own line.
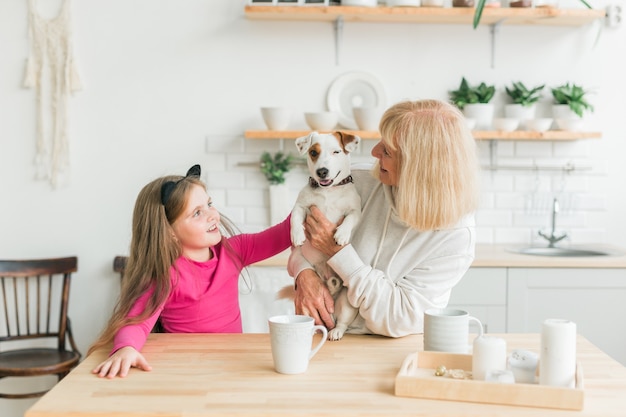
x=168, y=187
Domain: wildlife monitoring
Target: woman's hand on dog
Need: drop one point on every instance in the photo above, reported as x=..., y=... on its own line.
x=320, y=232
x=313, y=298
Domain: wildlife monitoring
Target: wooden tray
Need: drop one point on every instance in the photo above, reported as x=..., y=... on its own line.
x=417, y=379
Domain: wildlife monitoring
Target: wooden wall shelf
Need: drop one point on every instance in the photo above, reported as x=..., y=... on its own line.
x=555, y=135
x=451, y=15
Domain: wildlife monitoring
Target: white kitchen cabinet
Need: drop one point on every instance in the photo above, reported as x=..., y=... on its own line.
x=594, y=298
x=482, y=293
x=259, y=303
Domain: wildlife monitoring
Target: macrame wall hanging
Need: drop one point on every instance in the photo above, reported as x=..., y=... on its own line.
x=51, y=71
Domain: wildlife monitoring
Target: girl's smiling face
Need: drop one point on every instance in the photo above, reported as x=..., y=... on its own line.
x=388, y=162
x=197, y=227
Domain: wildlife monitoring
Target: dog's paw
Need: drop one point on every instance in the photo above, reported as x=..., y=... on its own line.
x=342, y=235
x=298, y=237
x=337, y=332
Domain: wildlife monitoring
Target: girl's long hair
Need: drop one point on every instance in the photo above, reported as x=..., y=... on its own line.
x=153, y=251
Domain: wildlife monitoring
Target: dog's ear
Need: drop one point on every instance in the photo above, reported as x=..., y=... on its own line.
x=304, y=143
x=349, y=142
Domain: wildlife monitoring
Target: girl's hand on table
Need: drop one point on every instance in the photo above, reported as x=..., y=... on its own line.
x=120, y=363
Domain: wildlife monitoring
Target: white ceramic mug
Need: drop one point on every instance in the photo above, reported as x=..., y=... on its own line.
x=292, y=337
x=447, y=330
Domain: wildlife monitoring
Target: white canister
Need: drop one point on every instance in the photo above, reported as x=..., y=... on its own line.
x=488, y=354
x=557, y=359
x=523, y=364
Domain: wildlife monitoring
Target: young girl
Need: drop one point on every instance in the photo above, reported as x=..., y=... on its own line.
x=180, y=270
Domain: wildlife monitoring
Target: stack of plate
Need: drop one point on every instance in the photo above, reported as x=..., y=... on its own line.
x=355, y=89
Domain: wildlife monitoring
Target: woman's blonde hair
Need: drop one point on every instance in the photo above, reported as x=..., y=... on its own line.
x=438, y=164
x=153, y=250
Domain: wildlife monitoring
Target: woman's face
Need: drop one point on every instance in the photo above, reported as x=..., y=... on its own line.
x=388, y=162
x=197, y=227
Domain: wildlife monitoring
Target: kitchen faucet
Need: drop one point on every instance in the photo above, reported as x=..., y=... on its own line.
x=552, y=239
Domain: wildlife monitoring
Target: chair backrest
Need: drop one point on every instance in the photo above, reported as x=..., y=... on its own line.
x=35, y=296
x=119, y=265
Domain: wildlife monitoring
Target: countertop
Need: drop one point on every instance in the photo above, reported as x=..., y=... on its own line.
x=196, y=375
x=501, y=256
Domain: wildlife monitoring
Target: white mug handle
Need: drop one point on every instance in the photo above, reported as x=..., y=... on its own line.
x=324, y=337
x=480, y=330
x=480, y=325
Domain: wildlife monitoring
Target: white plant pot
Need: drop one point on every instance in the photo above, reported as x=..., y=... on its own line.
x=565, y=118
x=482, y=113
x=563, y=111
x=279, y=203
x=520, y=112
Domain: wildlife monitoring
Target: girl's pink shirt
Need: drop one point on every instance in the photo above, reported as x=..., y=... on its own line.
x=205, y=295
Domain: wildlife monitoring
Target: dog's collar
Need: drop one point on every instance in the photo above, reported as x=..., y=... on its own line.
x=315, y=184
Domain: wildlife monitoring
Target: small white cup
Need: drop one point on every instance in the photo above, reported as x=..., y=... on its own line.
x=367, y=118
x=488, y=354
x=291, y=338
x=276, y=118
x=447, y=330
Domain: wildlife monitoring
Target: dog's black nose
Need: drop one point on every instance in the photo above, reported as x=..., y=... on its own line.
x=322, y=172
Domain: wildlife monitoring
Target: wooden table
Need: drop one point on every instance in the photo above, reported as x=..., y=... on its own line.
x=233, y=375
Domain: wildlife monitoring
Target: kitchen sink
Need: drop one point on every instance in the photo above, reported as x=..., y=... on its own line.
x=556, y=251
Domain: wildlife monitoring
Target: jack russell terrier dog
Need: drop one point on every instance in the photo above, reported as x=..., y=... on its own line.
x=331, y=189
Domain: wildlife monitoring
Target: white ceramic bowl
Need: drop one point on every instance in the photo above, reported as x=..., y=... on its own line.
x=322, y=120
x=403, y=3
x=573, y=125
x=365, y=3
x=471, y=123
x=505, y=124
x=367, y=118
x=538, y=125
x=276, y=118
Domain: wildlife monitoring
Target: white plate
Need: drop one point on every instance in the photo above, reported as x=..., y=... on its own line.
x=354, y=89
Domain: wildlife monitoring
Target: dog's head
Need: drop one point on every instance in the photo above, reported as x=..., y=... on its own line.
x=328, y=156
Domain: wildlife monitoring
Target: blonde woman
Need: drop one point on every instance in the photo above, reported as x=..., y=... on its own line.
x=416, y=237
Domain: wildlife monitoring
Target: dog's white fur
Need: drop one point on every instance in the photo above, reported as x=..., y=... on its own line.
x=328, y=161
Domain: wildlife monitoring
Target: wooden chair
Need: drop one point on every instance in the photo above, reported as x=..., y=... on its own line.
x=119, y=266
x=35, y=298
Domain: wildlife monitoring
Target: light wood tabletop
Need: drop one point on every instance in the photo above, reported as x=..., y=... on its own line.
x=233, y=375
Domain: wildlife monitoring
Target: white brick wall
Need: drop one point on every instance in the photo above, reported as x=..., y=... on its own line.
x=515, y=203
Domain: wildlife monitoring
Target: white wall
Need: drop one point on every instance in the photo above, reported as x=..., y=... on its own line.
x=170, y=83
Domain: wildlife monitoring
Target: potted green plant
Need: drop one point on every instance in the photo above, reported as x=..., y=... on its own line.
x=480, y=5
x=274, y=167
x=523, y=100
x=573, y=96
x=570, y=104
x=474, y=101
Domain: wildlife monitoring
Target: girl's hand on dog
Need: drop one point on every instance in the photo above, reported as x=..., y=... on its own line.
x=320, y=232
x=313, y=298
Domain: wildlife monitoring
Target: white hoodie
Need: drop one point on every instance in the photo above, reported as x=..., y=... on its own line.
x=394, y=272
